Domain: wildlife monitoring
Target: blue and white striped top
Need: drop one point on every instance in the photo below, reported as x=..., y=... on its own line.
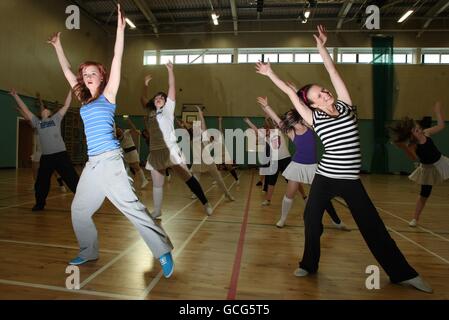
x=98, y=119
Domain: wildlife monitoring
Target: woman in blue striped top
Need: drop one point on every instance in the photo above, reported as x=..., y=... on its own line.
x=104, y=175
x=338, y=172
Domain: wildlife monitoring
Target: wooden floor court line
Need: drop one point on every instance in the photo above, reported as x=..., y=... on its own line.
x=32, y=201
x=418, y=227
x=129, y=249
x=418, y=245
x=51, y=245
x=410, y=240
x=232, y=292
x=80, y=291
x=178, y=252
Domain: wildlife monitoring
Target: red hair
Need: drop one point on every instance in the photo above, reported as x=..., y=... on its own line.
x=81, y=91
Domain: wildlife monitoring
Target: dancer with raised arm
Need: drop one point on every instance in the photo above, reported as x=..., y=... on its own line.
x=54, y=156
x=338, y=172
x=417, y=143
x=304, y=162
x=164, y=150
x=104, y=174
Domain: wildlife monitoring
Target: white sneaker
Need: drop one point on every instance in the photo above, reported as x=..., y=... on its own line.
x=300, y=272
x=214, y=182
x=413, y=223
x=230, y=197
x=418, y=283
x=280, y=223
x=266, y=202
x=341, y=226
x=208, y=209
x=144, y=183
x=193, y=196
x=237, y=182
x=156, y=215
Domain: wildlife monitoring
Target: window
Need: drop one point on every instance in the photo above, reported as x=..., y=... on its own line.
x=181, y=58
x=149, y=57
x=165, y=59
x=435, y=55
x=225, y=58
x=210, y=58
x=286, y=57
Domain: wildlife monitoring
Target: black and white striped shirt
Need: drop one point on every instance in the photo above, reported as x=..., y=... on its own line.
x=340, y=136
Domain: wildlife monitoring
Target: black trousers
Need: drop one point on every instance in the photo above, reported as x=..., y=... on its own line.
x=60, y=162
x=366, y=217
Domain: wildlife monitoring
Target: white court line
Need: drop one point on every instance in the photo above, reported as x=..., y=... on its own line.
x=51, y=245
x=400, y=234
x=110, y=263
x=33, y=201
x=413, y=203
x=419, y=227
x=155, y=281
x=417, y=244
x=55, y=288
x=81, y=291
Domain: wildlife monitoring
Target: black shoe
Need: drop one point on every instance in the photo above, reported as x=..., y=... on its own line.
x=37, y=208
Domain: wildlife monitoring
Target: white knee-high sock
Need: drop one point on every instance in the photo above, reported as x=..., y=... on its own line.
x=286, y=206
x=158, y=193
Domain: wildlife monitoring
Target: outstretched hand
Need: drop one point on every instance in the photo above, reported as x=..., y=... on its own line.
x=121, y=22
x=263, y=68
x=148, y=79
x=55, y=39
x=322, y=36
x=169, y=65
x=263, y=101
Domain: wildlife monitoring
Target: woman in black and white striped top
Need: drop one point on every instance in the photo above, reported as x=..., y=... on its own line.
x=338, y=173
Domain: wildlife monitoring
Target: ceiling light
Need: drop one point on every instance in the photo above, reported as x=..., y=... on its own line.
x=130, y=23
x=405, y=16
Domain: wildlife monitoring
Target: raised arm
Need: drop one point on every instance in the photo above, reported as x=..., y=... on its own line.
x=66, y=106
x=144, y=97
x=27, y=114
x=171, y=82
x=263, y=102
x=440, y=121
x=201, y=116
x=110, y=91
x=55, y=41
x=303, y=110
x=337, y=81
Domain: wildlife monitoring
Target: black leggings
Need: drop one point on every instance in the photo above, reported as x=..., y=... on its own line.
x=366, y=217
x=426, y=190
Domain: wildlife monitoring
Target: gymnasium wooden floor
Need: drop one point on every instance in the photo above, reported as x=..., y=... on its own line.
x=237, y=253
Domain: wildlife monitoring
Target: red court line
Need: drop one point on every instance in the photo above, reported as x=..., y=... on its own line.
x=238, y=256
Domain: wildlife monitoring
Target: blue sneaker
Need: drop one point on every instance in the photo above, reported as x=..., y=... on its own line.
x=168, y=266
x=78, y=260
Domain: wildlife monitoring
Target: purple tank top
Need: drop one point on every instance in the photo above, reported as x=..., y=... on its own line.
x=305, y=146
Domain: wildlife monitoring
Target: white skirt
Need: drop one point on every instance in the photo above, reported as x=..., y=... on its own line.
x=131, y=157
x=431, y=174
x=299, y=172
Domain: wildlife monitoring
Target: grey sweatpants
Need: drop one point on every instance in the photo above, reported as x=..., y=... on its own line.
x=105, y=176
